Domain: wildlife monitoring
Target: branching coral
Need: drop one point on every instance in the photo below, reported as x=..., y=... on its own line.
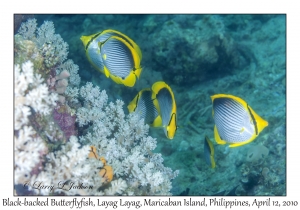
x=30, y=91
x=50, y=45
x=66, y=168
x=48, y=52
x=124, y=143
x=43, y=154
x=31, y=95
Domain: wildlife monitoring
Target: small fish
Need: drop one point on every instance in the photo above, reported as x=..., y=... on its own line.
x=115, y=55
x=236, y=123
x=209, y=152
x=164, y=101
x=143, y=105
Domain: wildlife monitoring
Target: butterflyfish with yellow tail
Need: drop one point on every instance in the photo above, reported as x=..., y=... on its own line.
x=115, y=55
x=209, y=152
x=164, y=102
x=157, y=106
x=236, y=123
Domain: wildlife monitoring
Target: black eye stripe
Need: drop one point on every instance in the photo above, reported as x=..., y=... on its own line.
x=92, y=39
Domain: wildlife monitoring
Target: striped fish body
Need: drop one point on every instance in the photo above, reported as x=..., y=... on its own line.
x=164, y=101
x=109, y=33
x=122, y=65
x=143, y=105
x=121, y=62
x=235, y=122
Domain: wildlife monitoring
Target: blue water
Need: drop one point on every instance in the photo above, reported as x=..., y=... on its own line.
x=199, y=56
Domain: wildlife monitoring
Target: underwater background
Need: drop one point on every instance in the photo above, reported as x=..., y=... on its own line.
x=199, y=56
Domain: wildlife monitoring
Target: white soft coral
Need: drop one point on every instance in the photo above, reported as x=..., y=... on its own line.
x=30, y=91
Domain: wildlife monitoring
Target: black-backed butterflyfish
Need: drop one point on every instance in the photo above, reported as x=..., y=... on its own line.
x=164, y=102
x=143, y=105
x=114, y=54
x=157, y=107
x=209, y=152
x=236, y=123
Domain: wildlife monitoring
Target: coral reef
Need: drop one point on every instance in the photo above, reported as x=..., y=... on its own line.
x=65, y=120
x=18, y=19
x=256, y=176
x=59, y=84
x=48, y=111
x=122, y=140
x=199, y=55
x=31, y=98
